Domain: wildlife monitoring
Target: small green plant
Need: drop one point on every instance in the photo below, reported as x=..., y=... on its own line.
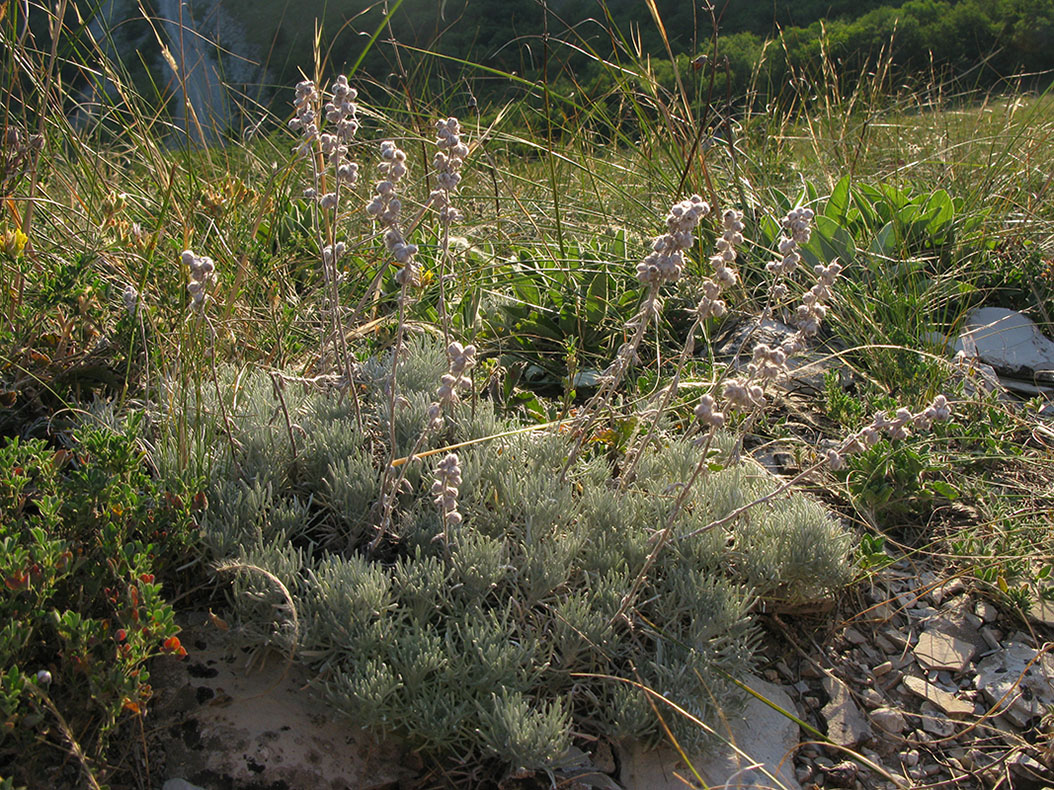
x=1010, y=557
x=84, y=535
x=585, y=299
x=891, y=481
x=871, y=553
x=843, y=408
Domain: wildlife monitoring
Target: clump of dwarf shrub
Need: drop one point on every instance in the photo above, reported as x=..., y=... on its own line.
x=504, y=633
x=487, y=590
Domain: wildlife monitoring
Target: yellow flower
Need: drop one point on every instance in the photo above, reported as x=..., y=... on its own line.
x=14, y=241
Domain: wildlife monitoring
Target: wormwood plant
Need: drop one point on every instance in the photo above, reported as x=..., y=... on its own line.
x=497, y=633
x=491, y=602
x=488, y=590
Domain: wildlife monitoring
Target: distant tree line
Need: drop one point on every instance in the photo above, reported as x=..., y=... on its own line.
x=980, y=41
x=765, y=43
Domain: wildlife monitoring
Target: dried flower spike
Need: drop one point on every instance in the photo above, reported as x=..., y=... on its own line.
x=813, y=307
x=306, y=118
x=797, y=229
x=445, y=489
x=898, y=426
x=130, y=297
x=711, y=305
x=202, y=271
x=666, y=260
x=447, y=162
x=386, y=207
x=462, y=359
x=341, y=110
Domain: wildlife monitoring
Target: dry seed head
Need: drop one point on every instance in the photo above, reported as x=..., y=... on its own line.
x=130, y=297
x=447, y=162
x=812, y=310
x=743, y=395
x=767, y=363
x=202, y=271
x=897, y=427
x=331, y=254
x=462, y=359
x=706, y=413
x=666, y=260
x=445, y=488
x=386, y=207
x=797, y=227
x=711, y=305
x=341, y=110
x=409, y=274
x=306, y=118
x=798, y=223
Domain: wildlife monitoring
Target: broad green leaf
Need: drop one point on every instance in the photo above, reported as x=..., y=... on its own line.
x=834, y=241
x=941, y=213
x=885, y=242
x=897, y=198
x=809, y=194
x=782, y=202
x=768, y=231
x=838, y=203
x=909, y=214
x=943, y=489
x=868, y=216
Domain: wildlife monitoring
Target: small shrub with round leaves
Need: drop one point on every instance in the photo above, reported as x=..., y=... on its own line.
x=86, y=534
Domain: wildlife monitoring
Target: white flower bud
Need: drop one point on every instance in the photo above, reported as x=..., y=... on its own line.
x=835, y=460
x=130, y=297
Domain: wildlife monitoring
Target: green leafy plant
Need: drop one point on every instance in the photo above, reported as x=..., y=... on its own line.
x=1009, y=556
x=893, y=480
x=585, y=299
x=84, y=533
x=871, y=553
x=842, y=407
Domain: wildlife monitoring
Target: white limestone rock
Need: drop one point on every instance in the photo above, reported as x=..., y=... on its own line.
x=765, y=741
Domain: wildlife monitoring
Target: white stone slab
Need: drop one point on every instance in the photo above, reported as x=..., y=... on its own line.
x=764, y=737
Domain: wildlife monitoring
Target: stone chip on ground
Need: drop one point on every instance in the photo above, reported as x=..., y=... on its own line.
x=846, y=725
x=1042, y=612
x=1019, y=680
x=1010, y=342
x=989, y=613
x=938, y=649
x=935, y=722
x=889, y=720
x=938, y=697
x=179, y=784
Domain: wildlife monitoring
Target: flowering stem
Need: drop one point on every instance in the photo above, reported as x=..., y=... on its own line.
x=613, y=377
x=228, y=425
x=390, y=487
x=444, y=254
x=636, y=450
